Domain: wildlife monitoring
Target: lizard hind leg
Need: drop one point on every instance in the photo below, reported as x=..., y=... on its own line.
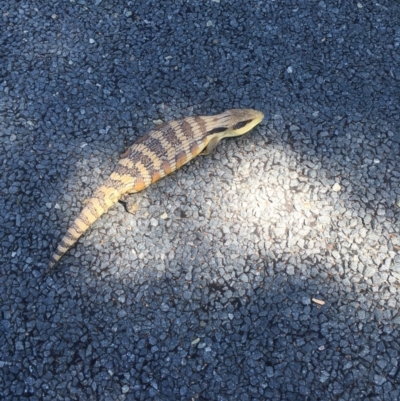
x=130, y=205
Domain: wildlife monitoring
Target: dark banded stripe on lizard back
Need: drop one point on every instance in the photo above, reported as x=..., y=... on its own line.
x=170, y=142
x=201, y=124
x=185, y=155
x=192, y=135
x=130, y=176
x=159, y=151
x=152, y=149
x=144, y=164
x=198, y=128
x=187, y=129
x=184, y=138
x=171, y=135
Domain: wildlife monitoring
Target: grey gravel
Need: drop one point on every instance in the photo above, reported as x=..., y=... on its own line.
x=208, y=292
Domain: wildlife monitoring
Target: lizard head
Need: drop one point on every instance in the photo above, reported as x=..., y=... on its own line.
x=232, y=122
x=236, y=122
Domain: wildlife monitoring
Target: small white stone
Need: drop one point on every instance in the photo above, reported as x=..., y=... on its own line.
x=209, y=23
x=369, y=271
x=324, y=219
x=336, y=187
x=289, y=70
x=290, y=270
x=92, y=41
x=164, y=216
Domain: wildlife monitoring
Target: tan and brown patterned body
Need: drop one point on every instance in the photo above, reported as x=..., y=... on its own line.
x=155, y=155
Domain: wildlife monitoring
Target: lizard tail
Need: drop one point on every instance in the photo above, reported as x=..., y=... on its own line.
x=102, y=200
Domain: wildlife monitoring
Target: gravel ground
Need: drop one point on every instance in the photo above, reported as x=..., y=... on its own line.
x=211, y=291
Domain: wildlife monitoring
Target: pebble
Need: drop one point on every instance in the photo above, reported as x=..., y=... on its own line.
x=369, y=271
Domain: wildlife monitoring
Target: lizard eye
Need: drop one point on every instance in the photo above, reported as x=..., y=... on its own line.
x=241, y=124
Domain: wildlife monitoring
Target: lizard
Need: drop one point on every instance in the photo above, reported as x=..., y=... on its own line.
x=153, y=156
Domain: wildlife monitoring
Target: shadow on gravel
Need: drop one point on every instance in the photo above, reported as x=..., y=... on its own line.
x=173, y=338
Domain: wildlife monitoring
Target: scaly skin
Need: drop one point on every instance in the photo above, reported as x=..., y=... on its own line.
x=155, y=155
